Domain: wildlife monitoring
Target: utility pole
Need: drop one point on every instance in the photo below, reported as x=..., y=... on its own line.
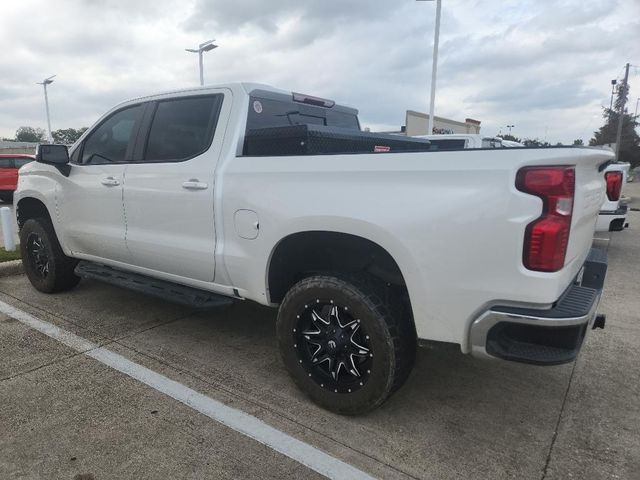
x=621, y=111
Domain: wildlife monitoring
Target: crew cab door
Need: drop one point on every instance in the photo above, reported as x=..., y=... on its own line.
x=90, y=197
x=169, y=188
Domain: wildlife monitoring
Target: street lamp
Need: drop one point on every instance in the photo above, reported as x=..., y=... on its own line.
x=434, y=67
x=613, y=89
x=510, y=127
x=44, y=83
x=203, y=47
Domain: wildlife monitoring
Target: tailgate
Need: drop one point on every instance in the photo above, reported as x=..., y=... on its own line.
x=589, y=194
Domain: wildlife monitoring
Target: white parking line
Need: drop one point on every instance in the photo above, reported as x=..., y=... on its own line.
x=237, y=420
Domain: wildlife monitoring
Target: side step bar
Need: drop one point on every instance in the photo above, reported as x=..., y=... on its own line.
x=188, y=296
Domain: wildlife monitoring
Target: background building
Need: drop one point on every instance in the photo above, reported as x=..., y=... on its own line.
x=417, y=124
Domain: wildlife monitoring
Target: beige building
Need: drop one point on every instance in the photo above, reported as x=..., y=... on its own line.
x=418, y=123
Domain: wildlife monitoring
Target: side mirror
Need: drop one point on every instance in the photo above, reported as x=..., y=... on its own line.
x=52, y=154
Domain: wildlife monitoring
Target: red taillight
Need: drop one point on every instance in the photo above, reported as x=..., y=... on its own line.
x=546, y=238
x=614, y=185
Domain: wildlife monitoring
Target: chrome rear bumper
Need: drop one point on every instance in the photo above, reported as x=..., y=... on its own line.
x=543, y=337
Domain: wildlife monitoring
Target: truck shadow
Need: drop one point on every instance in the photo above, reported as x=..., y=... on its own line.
x=473, y=417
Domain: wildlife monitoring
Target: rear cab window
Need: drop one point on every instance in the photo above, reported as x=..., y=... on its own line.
x=273, y=109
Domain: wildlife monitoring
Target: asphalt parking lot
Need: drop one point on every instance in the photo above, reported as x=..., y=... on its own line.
x=64, y=414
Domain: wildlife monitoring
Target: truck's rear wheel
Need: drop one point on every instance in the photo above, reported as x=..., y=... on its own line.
x=343, y=344
x=47, y=267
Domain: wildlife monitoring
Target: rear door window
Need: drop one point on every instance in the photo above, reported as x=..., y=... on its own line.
x=6, y=163
x=182, y=128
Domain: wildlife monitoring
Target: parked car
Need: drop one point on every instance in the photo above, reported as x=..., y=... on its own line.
x=613, y=214
x=511, y=144
x=10, y=163
x=456, y=141
x=243, y=191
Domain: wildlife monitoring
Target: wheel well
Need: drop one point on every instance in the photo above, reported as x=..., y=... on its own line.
x=28, y=208
x=302, y=254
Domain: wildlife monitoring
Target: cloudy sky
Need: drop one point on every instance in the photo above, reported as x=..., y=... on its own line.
x=545, y=66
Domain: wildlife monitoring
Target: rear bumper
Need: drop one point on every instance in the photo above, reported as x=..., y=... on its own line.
x=543, y=337
x=612, y=220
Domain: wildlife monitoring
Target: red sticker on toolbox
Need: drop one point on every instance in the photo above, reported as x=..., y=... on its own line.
x=381, y=149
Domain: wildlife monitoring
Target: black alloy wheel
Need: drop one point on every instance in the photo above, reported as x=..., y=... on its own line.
x=38, y=254
x=332, y=346
x=47, y=267
x=344, y=342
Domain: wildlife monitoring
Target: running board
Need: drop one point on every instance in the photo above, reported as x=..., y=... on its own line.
x=188, y=296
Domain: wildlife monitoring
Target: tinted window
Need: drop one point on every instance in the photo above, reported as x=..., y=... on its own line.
x=182, y=128
x=22, y=161
x=266, y=112
x=109, y=142
x=6, y=162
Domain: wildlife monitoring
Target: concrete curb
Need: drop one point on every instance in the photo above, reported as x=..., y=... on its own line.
x=12, y=267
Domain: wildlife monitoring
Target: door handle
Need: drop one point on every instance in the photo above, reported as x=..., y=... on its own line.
x=110, y=182
x=194, y=184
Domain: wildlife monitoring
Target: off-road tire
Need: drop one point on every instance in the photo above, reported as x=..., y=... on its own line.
x=389, y=330
x=59, y=276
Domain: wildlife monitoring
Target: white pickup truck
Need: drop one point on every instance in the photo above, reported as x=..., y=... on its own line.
x=243, y=191
x=613, y=215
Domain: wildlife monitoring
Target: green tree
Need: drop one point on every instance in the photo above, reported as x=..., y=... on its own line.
x=578, y=141
x=535, y=142
x=30, y=134
x=629, y=141
x=67, y=136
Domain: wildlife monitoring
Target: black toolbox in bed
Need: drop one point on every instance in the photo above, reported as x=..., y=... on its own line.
x=319, y=140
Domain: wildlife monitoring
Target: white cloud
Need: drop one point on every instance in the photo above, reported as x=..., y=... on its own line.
x=543, y=66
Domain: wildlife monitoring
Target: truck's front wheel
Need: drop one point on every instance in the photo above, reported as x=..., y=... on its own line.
x=344, y=345
x=47, y=267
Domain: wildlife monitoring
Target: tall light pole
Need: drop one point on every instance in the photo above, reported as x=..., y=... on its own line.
x=434, y=67
x=203, y=47
x=510, y=127
x=44, y=83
